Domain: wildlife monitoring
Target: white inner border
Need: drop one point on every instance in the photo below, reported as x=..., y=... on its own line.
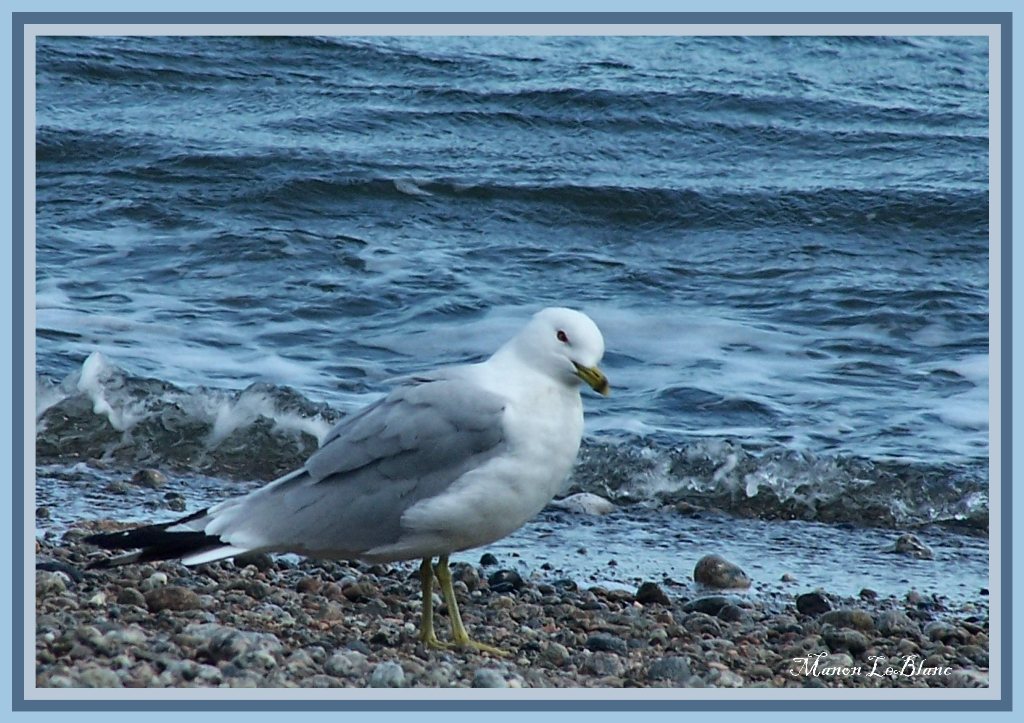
x=992, y=32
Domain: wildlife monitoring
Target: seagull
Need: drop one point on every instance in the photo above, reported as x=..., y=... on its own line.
x=447, y=461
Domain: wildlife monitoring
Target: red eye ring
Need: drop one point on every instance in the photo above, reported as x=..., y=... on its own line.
x=562, y=337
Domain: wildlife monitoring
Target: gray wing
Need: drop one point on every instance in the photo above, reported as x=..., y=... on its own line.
x=370, y=468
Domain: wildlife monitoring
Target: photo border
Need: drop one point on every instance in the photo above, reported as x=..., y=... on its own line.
x=86, y=23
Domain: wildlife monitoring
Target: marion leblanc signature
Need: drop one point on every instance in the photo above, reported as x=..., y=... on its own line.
x=881, y=667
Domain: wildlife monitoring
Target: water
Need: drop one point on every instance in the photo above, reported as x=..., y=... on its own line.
x=784, y=240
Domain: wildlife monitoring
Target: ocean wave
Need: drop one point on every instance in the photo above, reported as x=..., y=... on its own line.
x=105, y=415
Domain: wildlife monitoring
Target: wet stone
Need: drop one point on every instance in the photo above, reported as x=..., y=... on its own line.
x=488, y=560
x=505, y=581
x=717, y=572
x=651, y=593
x=812, y=603
x=149, y=478
x=912, y=546
x=709, y=604
x=262, y=561
x=171, y=597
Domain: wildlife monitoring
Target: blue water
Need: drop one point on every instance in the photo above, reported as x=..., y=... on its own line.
x=784, y=240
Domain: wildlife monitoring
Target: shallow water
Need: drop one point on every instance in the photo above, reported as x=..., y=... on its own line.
x=784, y=240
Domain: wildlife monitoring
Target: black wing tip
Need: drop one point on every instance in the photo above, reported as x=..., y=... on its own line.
x=154, y=543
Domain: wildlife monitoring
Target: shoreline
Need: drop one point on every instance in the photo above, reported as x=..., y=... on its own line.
x=276, y=623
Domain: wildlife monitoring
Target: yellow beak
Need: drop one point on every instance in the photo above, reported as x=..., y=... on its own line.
x=594, y=377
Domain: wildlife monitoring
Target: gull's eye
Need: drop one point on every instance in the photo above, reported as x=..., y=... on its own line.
x=562, y=337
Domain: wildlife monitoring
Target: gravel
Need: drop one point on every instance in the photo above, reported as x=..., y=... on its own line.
x=275, y=623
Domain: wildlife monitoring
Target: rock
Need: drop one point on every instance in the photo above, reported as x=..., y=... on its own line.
x=717, y=572
x=847, y=618
x=968, y=678
x=361, y=591
x=73, y=573
x=95, y=677
x=149, y=478
x=347, y=664
x=556, y=654
x=731, y=613
x=172, y=597
x=909, y=544
x=467, y=575
x=687, y=509
x=488, y=678
x=42, y=513
x=50, y=583
x=674, y=668
x=651, y=593
x=895, y=623
x=942, y=632
x=157, y=579
x=603, y=664
x=702, y=624
x=708, y=604
x=787, y=577
x=488, y=560
x=309, y=585
x=262, y=561
x=606, y=642
x=219, y=643
x=868, y=595
x=505, y=581
x=584, y=503
x=724, y=678
x=131, y=596
x=388, y=674
x=839, y=639
x=812, y=603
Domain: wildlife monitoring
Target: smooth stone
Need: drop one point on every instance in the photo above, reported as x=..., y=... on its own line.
x=584, y=503
x=603, y=664
x=556, y=654
x=488, y=678
x=910, y=544
x=702, y=624
x=505, y=581
x=487, y=559
x=172, y=597
x=606, y=642
x=846, y=618
x=262, y=561
x=942, y=632
x=812, y=603
x=388, y=674
x=717, y=572
x=675, y=668
x=895, y=622
x=839, y=639
x=708, y=604
x=346, y=664
x=651, y=593
x=149, y=478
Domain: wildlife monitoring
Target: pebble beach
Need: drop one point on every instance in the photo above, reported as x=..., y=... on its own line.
x=285, y=622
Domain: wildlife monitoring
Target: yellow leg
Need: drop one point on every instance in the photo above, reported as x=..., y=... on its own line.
x=427, y=634
x=459, y=635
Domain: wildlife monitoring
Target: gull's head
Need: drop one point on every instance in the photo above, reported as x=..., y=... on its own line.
x=566, y=345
